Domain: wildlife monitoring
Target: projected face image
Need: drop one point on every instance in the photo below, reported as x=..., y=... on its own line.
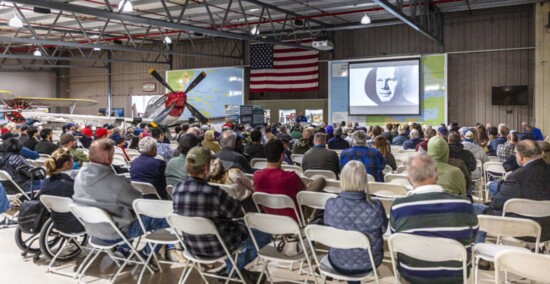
x=386, y=83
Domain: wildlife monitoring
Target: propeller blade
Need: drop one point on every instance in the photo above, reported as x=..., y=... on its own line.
x=161, y=116
x=195, y=82
x=160, y=79
x=196, y=113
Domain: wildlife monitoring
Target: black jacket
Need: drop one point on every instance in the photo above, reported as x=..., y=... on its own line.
x=457, y=151
x=529, y=182
x=255, y=151
x=231, y=157
x=45, y=147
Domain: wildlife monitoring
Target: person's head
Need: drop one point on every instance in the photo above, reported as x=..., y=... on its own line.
x=32, y=132
x=177, y=129
x=148, y=146
x=388, y=84
x=500, y=126
x=504, y=131
x=130, y=130
x=60, y=161
x=67, y=141
x=421, y=169
x=402, y=129
x=209, y=135
x=198, y=162
x=481, y=133
x=513, y=138
x=354, y=178
x=228, y=139
x=193, y=130
x=527, y=150
x=274, y=151
x=320, y=139
x=158, y=134
x=184, y=127
x=338, y=132
x=545, y=151
x=376, y=131
x=307, y=133
x=101, y=133
x=12, y=145
x=187, y=142
x=120, y=142
x=389, y=127
x=102, y=151
x=414, y=134
x=454, y=138
x=493, y=131
x=381, y=144
x=24, y=129
x=359, y=138
x=256, y=136
x=46, y=134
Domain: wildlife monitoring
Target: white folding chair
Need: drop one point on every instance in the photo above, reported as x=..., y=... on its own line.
x=339, y=239
x=119, y=160
x=201, y=226
x=387, y=170
x=311, y=199
x=387, y=193
x=275, y=201
x=291, y=168
x=400, y=170
x=170, y=191
x=145, y=188
x=503, y=227
x=332, y=186
x=431, y=249
x=527, y=265
x=297, y=159
x=398, y=179
x=324, y=173
x=92, y=216
x=14, y=198
x=400, y=162
x=132, y=153
x=305, y=180
x=527, y=208
x=493, y=159
x=159, y=209
x=277, y=225
x=62, y=205
x=258, y=163
x=45, y=156
x=492, y=171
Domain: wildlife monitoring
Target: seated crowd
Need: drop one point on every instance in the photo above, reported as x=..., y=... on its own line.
x=442, y=166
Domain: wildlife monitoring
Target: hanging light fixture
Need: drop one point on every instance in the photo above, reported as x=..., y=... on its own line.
x=128, y=7
x=97, y=48
x=255, y=31
x=167, y=40
x=37, y=53
x=15, y=22
x=365, y=20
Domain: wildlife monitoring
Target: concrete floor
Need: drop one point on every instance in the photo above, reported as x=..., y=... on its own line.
x=16, y=269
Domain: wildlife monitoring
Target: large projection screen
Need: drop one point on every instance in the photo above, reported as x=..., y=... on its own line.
x=384, y=87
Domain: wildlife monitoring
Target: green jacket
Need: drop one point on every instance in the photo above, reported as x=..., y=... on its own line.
x=450, y=178
x=79, y=157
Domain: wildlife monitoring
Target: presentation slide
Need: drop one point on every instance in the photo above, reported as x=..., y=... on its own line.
x=384, y=87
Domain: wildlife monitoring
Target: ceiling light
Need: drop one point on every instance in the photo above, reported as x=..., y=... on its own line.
x=97, y=49
x=255, y=31
x=167, y=40
x=15, y=22
x=37, y=53
x=254, y=10
x=365, y=20
x=127, y=6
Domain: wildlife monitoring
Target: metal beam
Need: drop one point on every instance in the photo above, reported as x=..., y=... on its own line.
x=407, y=20
x=281, y=10
x=147, y=21
x=19, y=66
x=32, y=57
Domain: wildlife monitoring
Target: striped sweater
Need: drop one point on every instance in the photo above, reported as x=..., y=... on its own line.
x=429, y=211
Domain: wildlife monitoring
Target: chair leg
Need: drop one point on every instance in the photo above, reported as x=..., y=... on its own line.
x=185, y=268
x=146, y=263
x=122, y=267
x=57, y=255
x=88, y=264
x=476, y=267
x=113, y=257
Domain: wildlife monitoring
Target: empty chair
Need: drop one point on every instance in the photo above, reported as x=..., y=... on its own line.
x=314, y=200
x=145, y=188
x=527, y=265
x=258, y=163
x=531, y=209
x=493, y=170
x=387, y=193
x=339, y=239
x=276, y=202
x=428, y=249
x=503, y=227
x=324, y=173
x=291, y=168
x=277, y=225
x=198, y=226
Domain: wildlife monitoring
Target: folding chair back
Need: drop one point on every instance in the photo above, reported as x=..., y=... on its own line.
x=332, y=186
x=274, y=201
x=291, y=168
x=527, y=207
x=509, y=227
x=370, y=178
x=4, y=176
x=392, y=177
x=324, y=173
x=528, y=265
x=159, y=209
x=192, y=225
x=119, y=160
x=56, y=203
x=427, y=249
x=387, y=170
x=258, y=163
x=145, y=188
x=170, y=191
x=387, y=190
x=297, y=158
x=315, y=200
x=493, y=169
x=272, y=224
x=305, y=180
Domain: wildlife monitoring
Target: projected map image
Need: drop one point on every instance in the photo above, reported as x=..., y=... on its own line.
x=222, y=86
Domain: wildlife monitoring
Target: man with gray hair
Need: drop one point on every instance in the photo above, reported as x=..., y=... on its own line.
x=411, y=143
x=146, y=168
x=228, y=156
x=319, y=157
x=430, y=211
x=373, y=160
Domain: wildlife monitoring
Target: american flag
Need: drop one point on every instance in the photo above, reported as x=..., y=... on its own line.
x=277, y=68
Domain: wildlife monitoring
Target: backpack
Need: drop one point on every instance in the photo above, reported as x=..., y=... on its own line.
x=32, y=216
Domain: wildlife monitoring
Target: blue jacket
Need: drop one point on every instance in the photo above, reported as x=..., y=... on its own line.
x=337, y=143
x=537, y=133
x=351, y=211
x=399, y=139
x=411, y=143
x=493, y=144
x=148, y=169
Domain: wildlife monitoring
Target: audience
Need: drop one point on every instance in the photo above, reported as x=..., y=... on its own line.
x=163, y=149
x=537, y=134
x=23, y=137
x=319, y=157
x=415, y=140
x=303, y=144
x=482, y=138
x=32, y=141
x=175, y=169
x=11, y=161
x=430, y=210
x=228, y=156
x=46, y=146
x=449, y=177
x=354, y=210
x=337, y=142
x=494, y=140
x=402, y=137
x=372, y=159
x=476, y=150
x=457, y=151
x=545, y=149
x=255, y=149
x=68, y=142
x=240, y=185
x=210, y=142
x=146, y=168
x=507, y=149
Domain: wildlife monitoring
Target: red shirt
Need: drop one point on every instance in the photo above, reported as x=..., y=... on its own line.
x=277, y=181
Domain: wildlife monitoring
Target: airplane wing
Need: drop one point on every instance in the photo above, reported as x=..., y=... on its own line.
x=59, y=102
x=65, y=118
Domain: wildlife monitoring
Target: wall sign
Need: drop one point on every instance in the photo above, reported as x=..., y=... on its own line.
x=149, y=87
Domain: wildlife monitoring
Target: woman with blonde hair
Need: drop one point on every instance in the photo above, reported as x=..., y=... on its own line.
x=61, y=184
x=354, y=210
x=210, y=142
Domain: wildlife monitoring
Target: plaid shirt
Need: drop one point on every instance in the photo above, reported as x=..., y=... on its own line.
x=196, y=198
x=370, y=157
x=505, y=150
